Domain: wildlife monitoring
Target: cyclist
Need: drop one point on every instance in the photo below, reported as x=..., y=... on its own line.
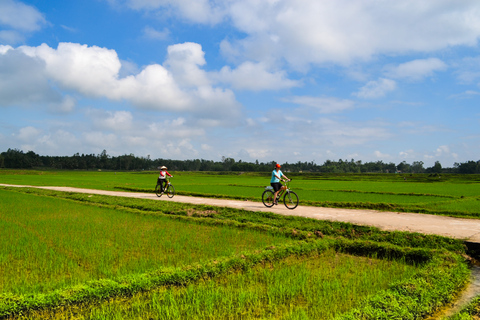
x=162, y=178
x=277, y=175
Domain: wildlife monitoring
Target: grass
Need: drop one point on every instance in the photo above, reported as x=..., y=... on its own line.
x=450, y=195
x=100, y=257
x=321, y=287
x=470, y=312
x=55, y=243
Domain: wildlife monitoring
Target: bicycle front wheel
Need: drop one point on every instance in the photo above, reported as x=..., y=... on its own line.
x=267, y=198
x=291, y=200
x=158, y=190
x=170, y=191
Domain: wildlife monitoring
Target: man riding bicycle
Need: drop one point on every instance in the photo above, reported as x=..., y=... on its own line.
x=277, y=175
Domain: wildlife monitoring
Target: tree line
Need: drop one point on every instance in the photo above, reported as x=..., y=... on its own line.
x=17, y=159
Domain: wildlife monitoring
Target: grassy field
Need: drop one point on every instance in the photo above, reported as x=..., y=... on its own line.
x=451, y=195
x=68, y=255
x=57, y=243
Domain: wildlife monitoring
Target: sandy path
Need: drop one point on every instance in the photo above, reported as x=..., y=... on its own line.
x=465, y=229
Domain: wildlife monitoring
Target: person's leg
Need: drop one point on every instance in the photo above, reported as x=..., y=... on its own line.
x=276, y=188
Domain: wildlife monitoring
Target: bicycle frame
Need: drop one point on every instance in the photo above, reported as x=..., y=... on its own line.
x=283, y=189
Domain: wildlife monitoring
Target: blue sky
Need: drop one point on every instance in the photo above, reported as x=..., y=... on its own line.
x=272, y=80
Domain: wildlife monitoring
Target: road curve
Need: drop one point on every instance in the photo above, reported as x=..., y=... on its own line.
x=458, y=228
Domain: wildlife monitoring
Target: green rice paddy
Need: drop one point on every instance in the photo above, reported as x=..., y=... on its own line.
x=78, y=256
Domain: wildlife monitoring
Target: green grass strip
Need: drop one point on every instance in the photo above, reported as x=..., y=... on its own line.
x=126, y=286
x=435, y=286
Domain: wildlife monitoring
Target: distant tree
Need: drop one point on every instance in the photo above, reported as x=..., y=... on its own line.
x=417, y=167
x=403, y=167
x=437, y=167
x=469, y=167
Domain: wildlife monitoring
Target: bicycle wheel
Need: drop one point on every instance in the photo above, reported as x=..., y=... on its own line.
x=158, y=190
x=290, y=199
x=170, y=191
x=267, y=198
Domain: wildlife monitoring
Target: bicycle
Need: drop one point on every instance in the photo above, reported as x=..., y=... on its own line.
x=290, y=198
x=169, y=189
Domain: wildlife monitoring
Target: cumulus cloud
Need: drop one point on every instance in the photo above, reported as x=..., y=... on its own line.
x=376, y=89
x=184, y=61
x=179, y=85
x=23, y=80
x=416, y=69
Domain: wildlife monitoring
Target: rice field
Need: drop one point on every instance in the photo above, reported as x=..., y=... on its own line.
x=318, y=287
x=55, y=243
x=80, y=256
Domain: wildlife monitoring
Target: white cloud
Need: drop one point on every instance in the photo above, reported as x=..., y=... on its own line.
x=151, y=33
x=184, y=61
x=66, y=105
x=180, y=85
x=441, y=150
x=322, y=104
x=344, y=31
x=198, y=11
x=100, y=139
x=255, y=77
x=416, y=69
x=115, y=121
x=27, y=133
x=23, y=80
x=316, y=32
x=376, y=89
x=18, y=19
x=20, y=16
x=11, y=36
x=468, y=70
x=381, y=156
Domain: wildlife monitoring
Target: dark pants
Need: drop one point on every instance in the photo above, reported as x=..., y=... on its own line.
x=276, y=186
x=162, y=183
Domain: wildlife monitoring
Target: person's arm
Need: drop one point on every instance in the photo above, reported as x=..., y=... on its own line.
x=169, y=174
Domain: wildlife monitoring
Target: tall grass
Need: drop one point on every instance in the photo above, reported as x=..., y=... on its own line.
x=318, y=287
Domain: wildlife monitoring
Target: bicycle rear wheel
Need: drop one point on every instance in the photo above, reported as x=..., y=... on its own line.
x=267, y=198
x=290, y=199
x=170, y=191
x=158, y=190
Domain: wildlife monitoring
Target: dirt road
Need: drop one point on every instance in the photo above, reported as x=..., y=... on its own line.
x=465, y=229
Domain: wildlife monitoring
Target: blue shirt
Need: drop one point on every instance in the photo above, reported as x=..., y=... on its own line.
x=274, y=178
